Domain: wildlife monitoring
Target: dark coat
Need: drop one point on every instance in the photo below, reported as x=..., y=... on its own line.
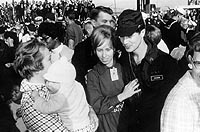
x=7, y=78
x=157, y=74
x=83, y=60
x=102, y=96
x=172, y=35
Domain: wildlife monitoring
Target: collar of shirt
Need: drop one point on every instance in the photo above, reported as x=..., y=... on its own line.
x=101, y=68
x=58, y=49
x=28, y=86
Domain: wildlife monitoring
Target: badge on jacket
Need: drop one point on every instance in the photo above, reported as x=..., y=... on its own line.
x=156, y=78
x=113, y=74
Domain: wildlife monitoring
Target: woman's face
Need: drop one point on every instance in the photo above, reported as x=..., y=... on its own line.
x=105, y=53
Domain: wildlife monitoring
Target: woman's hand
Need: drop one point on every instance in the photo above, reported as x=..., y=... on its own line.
x=130, y=89
x=93, y=118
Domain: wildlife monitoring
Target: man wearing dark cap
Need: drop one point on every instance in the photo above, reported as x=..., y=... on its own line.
x=156, y=71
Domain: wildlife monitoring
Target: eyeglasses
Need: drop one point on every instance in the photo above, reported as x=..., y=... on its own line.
x=45, y=38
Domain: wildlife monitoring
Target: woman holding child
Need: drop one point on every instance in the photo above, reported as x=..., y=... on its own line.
x=33, y=59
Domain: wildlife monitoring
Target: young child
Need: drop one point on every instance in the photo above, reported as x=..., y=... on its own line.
x=67, y=97
x=15, y=108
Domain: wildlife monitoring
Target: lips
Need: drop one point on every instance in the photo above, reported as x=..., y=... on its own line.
x=104, y=61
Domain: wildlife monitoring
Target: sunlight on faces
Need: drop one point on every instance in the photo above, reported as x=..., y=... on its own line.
x=131, y=43
x=105, y=52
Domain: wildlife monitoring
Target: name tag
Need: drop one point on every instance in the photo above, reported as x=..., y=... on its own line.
x=156, y=78
x=113, y=74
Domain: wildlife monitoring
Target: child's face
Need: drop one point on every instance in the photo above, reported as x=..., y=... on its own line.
x=16, y=94
x=53, y=87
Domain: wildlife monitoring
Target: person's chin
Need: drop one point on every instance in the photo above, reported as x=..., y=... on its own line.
x=104, y=62
x=128, y=49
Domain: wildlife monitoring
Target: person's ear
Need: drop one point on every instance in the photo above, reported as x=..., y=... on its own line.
x=142, y=33
x=94, y=23
x=190, y=65
x=190, y=60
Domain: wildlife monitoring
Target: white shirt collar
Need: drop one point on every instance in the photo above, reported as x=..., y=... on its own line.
x=58, y=49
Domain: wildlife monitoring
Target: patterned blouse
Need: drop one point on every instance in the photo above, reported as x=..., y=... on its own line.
x=35, y=121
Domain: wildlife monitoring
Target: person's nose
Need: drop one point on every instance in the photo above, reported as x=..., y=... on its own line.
x=104, y=54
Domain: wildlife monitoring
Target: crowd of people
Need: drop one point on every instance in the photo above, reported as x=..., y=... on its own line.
x=76, y=67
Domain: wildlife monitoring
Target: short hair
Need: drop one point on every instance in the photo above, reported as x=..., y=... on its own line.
x=71, y=15
x=194, y=45
x=153, y=34
x=95, y=12
x=100, y=34
x=28, y=58
x=53, y=30
x=13, y=36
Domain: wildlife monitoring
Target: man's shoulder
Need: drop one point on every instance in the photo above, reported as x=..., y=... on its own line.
x=83, y=45
x=165, y=57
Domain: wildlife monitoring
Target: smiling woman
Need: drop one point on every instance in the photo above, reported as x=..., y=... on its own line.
x=105, y=88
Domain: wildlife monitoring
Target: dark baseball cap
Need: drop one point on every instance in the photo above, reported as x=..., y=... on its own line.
x=128, y=22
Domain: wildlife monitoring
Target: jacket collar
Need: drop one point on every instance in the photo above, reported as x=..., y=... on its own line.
x=101, y=68
x=152, y=51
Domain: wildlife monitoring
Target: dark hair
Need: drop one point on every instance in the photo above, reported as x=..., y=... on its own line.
x=71, y=15
x=13, y=36
x=28, y=58
x=153, y=34
x=101, y=33
x=53, y=30
x=194, y=45
x=95, y=12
